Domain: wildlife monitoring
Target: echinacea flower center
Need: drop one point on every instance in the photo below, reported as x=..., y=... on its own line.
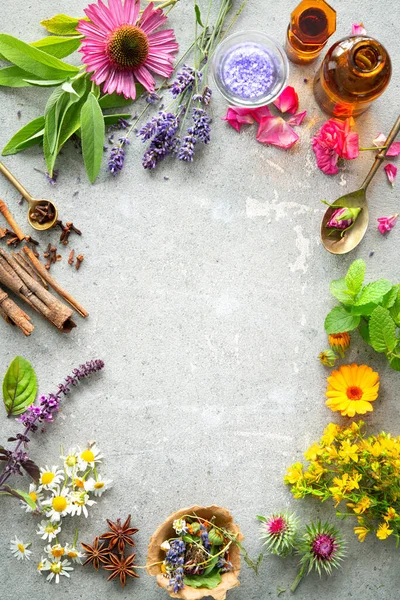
x=47, y=477
x=323, y=547
x=127, y=47
x=87, y=456
x=21, y=548
x=59, y=503
x=354, y=392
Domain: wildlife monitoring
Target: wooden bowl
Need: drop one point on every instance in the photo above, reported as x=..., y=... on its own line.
x=223, y=518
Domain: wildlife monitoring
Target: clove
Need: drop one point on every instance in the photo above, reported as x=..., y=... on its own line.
x=79, y=260
x=71, y=258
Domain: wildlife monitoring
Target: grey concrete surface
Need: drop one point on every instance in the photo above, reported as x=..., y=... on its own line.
x=207, y=293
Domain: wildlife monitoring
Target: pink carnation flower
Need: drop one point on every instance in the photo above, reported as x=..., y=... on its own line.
x=333, y=141
x=121, y=47
x=386, y=224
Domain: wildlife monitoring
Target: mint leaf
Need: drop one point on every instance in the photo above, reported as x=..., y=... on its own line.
x=373, y=292
x=390, y=298
x=92, y=129
x=382, y=330
x=339, y=320
x=19, y=386
x=340, y=290
x=395, y=363
x=355, y=276
x=365, y=310
x=62, y=24
x=29, y=135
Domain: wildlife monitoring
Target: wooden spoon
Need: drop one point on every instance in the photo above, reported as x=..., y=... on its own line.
x=331, y=239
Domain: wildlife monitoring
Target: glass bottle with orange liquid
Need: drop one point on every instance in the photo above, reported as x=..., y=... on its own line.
x=311, y=24
x=355, y=71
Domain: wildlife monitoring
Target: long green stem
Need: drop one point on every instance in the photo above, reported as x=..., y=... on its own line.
x=298, y=578
x=373, y=148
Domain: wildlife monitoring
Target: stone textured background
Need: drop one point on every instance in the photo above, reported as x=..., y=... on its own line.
x=207, y=294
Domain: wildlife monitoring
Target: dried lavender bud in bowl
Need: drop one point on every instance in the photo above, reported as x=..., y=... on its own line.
x=250, y=69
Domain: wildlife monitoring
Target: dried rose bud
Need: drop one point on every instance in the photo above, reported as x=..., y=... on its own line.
x=343, y=218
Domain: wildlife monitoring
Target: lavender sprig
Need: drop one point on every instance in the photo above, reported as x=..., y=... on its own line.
x=18, y=459
x=184, y=80
x=161, y=130
x=116, y=159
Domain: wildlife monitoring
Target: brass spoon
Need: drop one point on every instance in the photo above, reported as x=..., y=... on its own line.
x=33, y=203
x=334, y=243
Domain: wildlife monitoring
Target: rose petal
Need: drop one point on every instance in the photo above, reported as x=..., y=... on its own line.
x=326, y=157
x=237, y=116
x=380, y=141
x=350, y=148
x=261, y=112
x=358, y=29
x=391, y=172
x=288, y=101
x=275, y=131
x=387, y=223
x=297, y=119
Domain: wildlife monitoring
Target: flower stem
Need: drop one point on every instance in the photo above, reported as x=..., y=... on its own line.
x=298, y=579
x=373, y=148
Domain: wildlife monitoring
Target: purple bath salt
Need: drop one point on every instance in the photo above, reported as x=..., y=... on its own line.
x=248, y=70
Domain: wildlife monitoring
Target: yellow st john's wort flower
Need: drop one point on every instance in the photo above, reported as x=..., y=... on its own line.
x=351, y=389
x=361, y=506
x=294, y=473
x=391, y=514
x=348, y=451
x=330, y=433
x=383, y=531
x=313, y=452
x=314, y=472
x=361, y=532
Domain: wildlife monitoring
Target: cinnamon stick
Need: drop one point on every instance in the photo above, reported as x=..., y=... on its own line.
x=21, y=283
x=26, y=265
x=14, y=315
x=53, y=283
x=11, y=221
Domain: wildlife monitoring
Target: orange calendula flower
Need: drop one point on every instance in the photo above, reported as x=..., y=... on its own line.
x=361, y=532
x=327, y=358
x=383, y=531
x=351, y=389
x=339, y=342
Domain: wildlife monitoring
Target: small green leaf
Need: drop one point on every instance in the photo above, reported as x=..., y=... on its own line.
x=60, y=47
x=15, y=77
x=339, y=289
x=198, y=16
x=117, y=100
x=382, y=330
x=32, y=131
x=24, y=496
x=355, y=276
x=390, y=298
x=43, y=82
x=340, y=320
x=34, y=60
x=373, y=292
x=93, y=129
x=62, y=24
x=364, y=332
x=19, y=386
x=209, y=581
x=395, y=363
x=365, y=310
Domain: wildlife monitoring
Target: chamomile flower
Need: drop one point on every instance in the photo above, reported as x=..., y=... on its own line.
x=50, y=478
x=48, y=530
x=56, y=569
x=70, y=462
x=88, y=457
x=37, y=496
x=58, y=505
x=55, y=551
x=19, y=549
x=73, y=553
x=79, y=502
x=43, y=565
x=79, y=483
x=98, y=486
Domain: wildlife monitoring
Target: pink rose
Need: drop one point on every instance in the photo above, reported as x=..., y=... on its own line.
x=333, y=141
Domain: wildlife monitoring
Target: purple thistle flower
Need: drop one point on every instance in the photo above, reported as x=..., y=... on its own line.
x=184, y=80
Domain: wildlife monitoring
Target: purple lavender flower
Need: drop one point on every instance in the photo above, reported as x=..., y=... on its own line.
x=184, y=80
x=52, y=180
x=204, y=538
x=177, y=581
x=186, y=150
x=161, y=130
x=207, y=94
x=201, y=127
x=152, y=98
x=116, y=160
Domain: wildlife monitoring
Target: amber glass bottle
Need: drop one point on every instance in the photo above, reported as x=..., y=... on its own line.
x=354, y=72
x=311, y=24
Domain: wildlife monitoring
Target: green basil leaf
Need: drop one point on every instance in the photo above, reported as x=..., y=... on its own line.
x=340, y=290
x=116, y=100
x=62, y=24
x=92, y=129
x=60, y=47
x=19, y=386
x=373, y=292
x=198, y=16
x=355, y=276
x=209, y=581
x=34, y=60
x=382, y=330
x=340, y=320
x=32, y=131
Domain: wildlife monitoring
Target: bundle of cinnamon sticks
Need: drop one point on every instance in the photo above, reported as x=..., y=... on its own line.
x=24, y=275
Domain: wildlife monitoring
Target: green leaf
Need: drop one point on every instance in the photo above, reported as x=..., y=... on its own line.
x=14, y=77
x=20, y=494
x=382, y=330
x=43, y=82
x=390, y=298
x=19, y=386
x=93, y=129
x=57, y=46
x=340, y=320
x=116, y=100
x=29, y=135
x=209, y=581
x=198, y=16
x=364, y=332
x=355, y=276
x=365, y=310
x=395, y=363
x=34, y=60
x=373, y=292
x=339, y=289
x=72, y=120
x=62, y=24
x=113, y=119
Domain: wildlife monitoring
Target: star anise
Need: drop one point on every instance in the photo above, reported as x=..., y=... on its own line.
x=119, y=534
x=95, y=554
x=121, y=567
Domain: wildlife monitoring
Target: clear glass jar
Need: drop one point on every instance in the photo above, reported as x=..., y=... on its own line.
x=250, y=69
